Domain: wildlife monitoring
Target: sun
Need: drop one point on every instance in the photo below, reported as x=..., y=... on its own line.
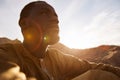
x=73, y=39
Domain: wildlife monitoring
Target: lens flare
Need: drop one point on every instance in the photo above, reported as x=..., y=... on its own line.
x=40, y=38
x=46, y=39
x=33, y=37
x=29, y=36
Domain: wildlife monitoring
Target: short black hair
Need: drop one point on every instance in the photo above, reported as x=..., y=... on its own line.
x=27, y=9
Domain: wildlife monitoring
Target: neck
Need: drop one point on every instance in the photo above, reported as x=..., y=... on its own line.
x=40, y=52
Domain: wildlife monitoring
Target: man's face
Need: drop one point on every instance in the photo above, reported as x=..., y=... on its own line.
x=45, y=23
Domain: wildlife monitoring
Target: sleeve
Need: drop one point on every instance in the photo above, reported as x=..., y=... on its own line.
x=72, y=66
x=105, y=67
x=6, y=58
x=8, y=64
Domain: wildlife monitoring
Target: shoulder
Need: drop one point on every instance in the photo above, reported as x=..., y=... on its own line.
x=54, y=51
x=4, y=40
x=59, y=54
x=9, y=46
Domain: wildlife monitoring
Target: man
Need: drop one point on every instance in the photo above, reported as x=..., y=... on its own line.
x=39, y=26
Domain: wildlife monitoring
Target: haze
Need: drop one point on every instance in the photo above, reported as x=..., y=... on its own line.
x=83, y=23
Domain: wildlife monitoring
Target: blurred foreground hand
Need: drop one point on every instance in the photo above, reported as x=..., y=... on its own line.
x=13, y=74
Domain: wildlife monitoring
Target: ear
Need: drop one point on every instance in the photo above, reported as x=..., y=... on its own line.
x=24, y=22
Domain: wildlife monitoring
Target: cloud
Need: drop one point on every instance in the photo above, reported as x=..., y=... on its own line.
x=104, y=28
x=72, y=7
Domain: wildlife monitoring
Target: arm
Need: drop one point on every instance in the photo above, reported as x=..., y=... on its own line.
x=106, y=67
x=74, y=67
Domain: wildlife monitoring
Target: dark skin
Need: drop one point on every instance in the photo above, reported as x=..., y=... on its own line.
x=40, y=30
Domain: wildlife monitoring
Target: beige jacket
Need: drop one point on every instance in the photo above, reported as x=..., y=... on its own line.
x=55, y=65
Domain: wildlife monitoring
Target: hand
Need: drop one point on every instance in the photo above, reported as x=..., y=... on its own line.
x=13, y=74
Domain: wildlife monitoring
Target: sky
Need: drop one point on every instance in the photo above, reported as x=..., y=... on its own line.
x=83, y=23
